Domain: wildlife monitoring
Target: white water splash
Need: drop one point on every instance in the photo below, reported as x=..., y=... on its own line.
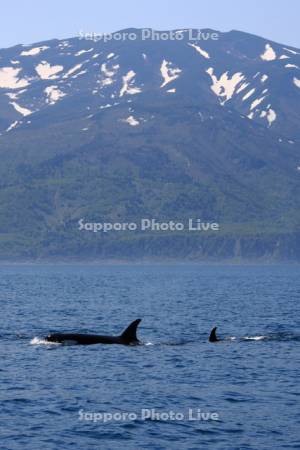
x=254, y=338
x=41, y=341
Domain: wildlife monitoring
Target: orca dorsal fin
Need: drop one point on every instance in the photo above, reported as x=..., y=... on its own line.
x=129, y=335
x=213, y=336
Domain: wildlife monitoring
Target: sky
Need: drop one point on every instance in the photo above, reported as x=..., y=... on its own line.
x=29, y=21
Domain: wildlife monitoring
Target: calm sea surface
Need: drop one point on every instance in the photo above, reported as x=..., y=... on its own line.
x=56, y=397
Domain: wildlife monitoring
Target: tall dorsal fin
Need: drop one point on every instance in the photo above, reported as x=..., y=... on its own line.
x=213, y=336
x=129, y=335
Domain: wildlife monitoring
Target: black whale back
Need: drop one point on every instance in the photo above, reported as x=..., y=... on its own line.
x=213, y=336
x=129, y=335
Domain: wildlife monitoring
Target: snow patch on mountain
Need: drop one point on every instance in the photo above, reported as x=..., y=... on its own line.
x=249, y=93
x=242, y=87
x=271, y=116
x=269, y=54
x=200, y=50
x=9, y=78
x=296, y=82
x=291, y=51
x=12, y=125
x=20, y=109
x=225, y=86
x=53, y=94
x=34, y=51
x=72, y=70
x=168, y=72
x=108, y=74
x=108, y=105
x=82, y=72
x=132, y=121
x=291, y=66
x=64, y=44
x=256, y=102
x=128, y=87
x=81, y=52
x=46, y=71
x=12, y=95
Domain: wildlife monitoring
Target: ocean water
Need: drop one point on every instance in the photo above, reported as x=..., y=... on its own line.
x=115, y=397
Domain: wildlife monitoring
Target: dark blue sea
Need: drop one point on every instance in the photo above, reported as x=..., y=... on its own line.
x=178, y=391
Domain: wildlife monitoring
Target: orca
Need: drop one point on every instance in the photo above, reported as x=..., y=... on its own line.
x=128, y=337
x=213, y=337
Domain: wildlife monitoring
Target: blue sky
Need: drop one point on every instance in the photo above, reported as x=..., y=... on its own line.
x=28, y=21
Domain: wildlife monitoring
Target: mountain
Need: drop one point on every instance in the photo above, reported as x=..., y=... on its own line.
x=186, y=127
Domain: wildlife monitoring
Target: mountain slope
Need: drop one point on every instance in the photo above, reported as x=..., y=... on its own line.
x=169, y=130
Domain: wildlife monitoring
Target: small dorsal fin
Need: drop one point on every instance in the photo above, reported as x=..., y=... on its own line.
x=213, y=336
x=129, y=335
